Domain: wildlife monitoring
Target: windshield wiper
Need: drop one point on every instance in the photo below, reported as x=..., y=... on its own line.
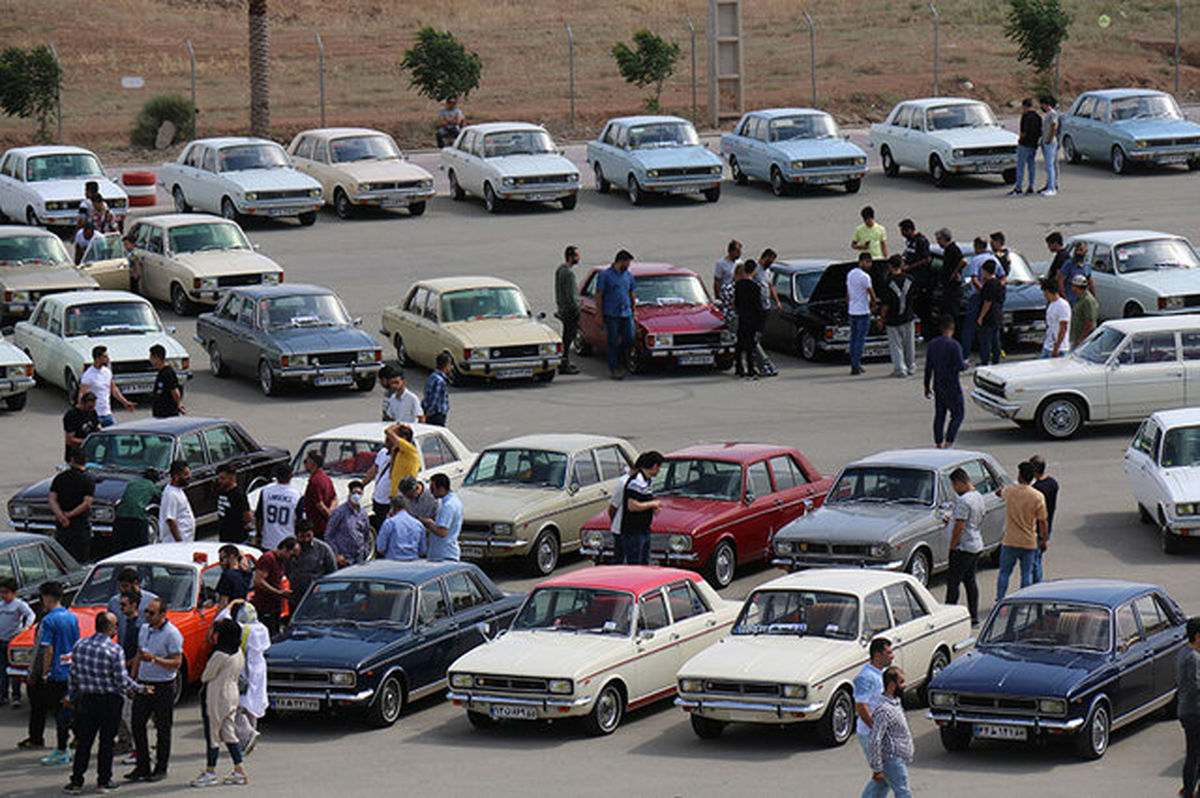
x=874, y=499
x=907, y=500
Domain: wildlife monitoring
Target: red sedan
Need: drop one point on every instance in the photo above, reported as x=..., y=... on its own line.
x=675, y=322
x=721, y=505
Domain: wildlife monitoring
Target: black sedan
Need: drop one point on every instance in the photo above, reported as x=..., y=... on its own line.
x=374, y=637
x=32, y=559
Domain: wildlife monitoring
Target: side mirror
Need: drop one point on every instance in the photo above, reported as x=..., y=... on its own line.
x=645, y=635
x=357, y=322
x=171, y=329
x=573, y=488
x=484, y=628
x=749, y=497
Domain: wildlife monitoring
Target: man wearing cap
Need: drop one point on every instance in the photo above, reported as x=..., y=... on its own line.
x=1085, y=310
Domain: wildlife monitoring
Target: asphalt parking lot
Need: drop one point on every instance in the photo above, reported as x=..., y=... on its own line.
x=831, y=417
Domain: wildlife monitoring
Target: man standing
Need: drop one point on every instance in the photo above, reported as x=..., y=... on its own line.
x=381, y=472
x=279, y=505
x=80, y=421
x=896, y=316
x=770, y=300
x=566, y=299
x=918, y=260
x=401, y=537
x=129, y=584
x=1024, y=529
x=313, y=560
x=436, y=401
x=166, y=399
x=943, y=364
x=991, y=314
x=1187, y=705
x=723, y=283
x=15, y=617
x=48, y=674
x=420, y=503
x=445, y=527
x=269, y=590
x=870, y=237
x=891, y=749
x=234, y=519
x=1050, y=120
x=176, y=521
x=1077, y=266
x=998, y=243
x=973, y=278
x=615, y=296
x=98, y=379
x=131, y=527
x=1058, y=320
x=860, y=298
x=1048, y=487
x=951, y=277
x=1085, y=311
x=966, y=542
x=236, y=580
x=1028, y=140
x=868, y=686
x=71, y=495
x=1054, y=243
x=319, y=496
x=160, y=655
x=347, y=530
x=400, y=404
x=747, y=300
x=406, y=460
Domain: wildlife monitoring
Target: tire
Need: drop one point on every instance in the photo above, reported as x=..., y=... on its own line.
x=1070, y=153
x=890, y=167
x=581, y=347
x=216, y=363
x=180, y=302
x=1009, y=176
x=1117, y=161
x=1092, y=742
x=806, y=346
x=937, y=171
x=416, y=209
x=635, y=191
x=739, y=177
x=956, y=739
x=713, y=194
x=543, y=557
x=179, y=684
x=607, y=712
x=779, y=186
x=181, y=205
x=936, y=665
x=919, y=566
x=71, y=386
x=1193, y=164
x=707, y=728
x=31, y=218
x=267, y=382
x=722, y=565
x=568, y=203
x=307, y=219
x=490, y=201
x=16, y=401
x=229, y=210
x=836, y=726
x=1169, y=542
x=1144, y=515
x=1132, y=310
x=342, y=205
x=545, y=376
x=456, y=191
x=852, y=186
x=602, y=184
x=635, y=363
x=401, y=352
x=365, y=384
x=1060, y=417
x=481, y=721
x=389, y=701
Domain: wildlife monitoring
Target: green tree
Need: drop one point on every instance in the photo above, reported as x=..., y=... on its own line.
x=440, y=66
x=649, y=62
x=29, y=81
x=1038, y=28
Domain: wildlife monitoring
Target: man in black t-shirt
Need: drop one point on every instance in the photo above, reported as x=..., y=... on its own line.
x=1054, y=243
x=167, y=398
x=896, y=316
x=78, y=423
x=235, y=580
x=71, y=496
x=991, y=311
x=234, y=519
x=1028, y=142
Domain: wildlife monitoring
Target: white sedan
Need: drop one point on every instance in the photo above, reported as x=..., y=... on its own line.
x=946, y=137
x=509, y=161
x=16, y=376
x=800, y=641
x=1163, y=467
x=44, y=184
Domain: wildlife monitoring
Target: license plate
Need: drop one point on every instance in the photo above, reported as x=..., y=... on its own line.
x=278, y=211
x=819, y=181
x=990, y=731
x=683, y=190
x=332, y=379
x=472, y=552
x=296, y=704
x=139, y=387
x=539, y=197
x=503, y=711
x=696, y=360
x=1173, y=159
x=1030, y=337
x=513, y=374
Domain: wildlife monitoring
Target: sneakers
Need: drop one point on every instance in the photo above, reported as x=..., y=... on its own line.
x=568, y=368
x=16, y=703
x=205, y=779
x=29, y=745
x=73, y=789
x=130, y=758
x=137, y=775
x=57, y=757
x=248, y=747
x=1016, y=192
x=112, y=786
x=235, y=778
x=1049, y=192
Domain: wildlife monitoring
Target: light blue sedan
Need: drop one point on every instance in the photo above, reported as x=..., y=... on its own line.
x=654, y=154
x=792, y=147
x=1130, y=126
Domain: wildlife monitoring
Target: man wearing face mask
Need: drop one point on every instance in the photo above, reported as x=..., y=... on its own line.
x=346, y=532
x=176, y=521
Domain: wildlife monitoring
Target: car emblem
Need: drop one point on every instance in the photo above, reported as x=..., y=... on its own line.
x=803, y=547
x=316, y=361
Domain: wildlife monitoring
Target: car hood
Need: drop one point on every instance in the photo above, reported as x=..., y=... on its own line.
x=678, y=318
x=40, y=277
x=330, y=646
x=976, y=137
x=372, y=171
x=507, y=503
x=675, y=157
x=832, y=285
x=800, y=149
x=532, y=165
x=1057, y=371
x=547, y=654
x=300, y=340
x=1183, y=483
x=1023, y=296
x=501, y=332
x=72, y=189
x=679, y=515
x=773, y=658
x=1019, y=670
x=854, y=522
x=11, y=355
x=1166, y=282
x=109, y=487
x=132, y=346
x=282, y=179
x=215, y=263
x=1157, y=128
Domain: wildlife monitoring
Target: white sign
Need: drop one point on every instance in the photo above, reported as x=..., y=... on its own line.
x=132, y=82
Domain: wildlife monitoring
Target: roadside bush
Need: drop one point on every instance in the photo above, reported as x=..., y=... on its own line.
x=173, y=108
x=440, y=66
x=29, y=86
x=649, y=62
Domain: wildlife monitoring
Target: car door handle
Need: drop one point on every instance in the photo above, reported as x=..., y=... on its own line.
x=930, y=625
x=675, y=635
x=711, y=622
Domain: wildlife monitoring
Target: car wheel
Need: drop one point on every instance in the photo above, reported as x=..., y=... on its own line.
x=722, y=564
x=490, y=201
x=1144, y=514
x=890, y=167
x=955, y=739
x=735, y=171
x=1092, y=742
x=342, y=205
x=938, y=172
x=606, y=715
x=581, y=347
x=806, y=345
x=456, y=191
x=401, y=352
x=707, y=728
x=229, y=210
x=1009, y=176
x=1193, y=164
x=837, y=724
x=852, y=186
x=569, y=202
x=215, y=363
x=365, y=383
x=16, y=401
x=266, y=379
x=919, y=566
x=71, y=386
x=602, y=184
x=635, y=191
x=1117, y=161
x=713, y=194
x=308, y=218
x=416, y=208
x=779, y=186
x=1132, y=310
x=635, y=362
x=1168, y=540
x=181, y=205
x=936, y=665
x=31, y=218
x=388, y=703
x=481, y=720
x=180, y=302
x=1060, y=417
x=543, y=557
x=545, y=376
x=1069, y=150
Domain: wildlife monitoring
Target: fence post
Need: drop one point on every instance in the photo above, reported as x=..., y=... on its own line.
x=192, y=60
x=58, y=93
x=1177, y=13
x=321, y=66
x=571, y=70
x=933, y=8
x=812, y=54
x=692, y=31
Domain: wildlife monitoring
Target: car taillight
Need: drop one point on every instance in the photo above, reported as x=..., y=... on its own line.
x=29, y=370
x=8, y=296
x=558, y=350
x=284, y=360
x=466, y=354
x=1162, y=303
x=196, y=284
x=650, y=340
x=187, y=364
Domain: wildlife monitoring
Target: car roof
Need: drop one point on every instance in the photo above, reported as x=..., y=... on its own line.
x=798, y=265
x=92, y=297
x=230, y=141
x=924, y=458
x=1108, y=592
x=169, y=220
x=368, y=431
x=284, y=289
x=175, y=425
x=556, y=442
x=443, y=284
x=1113, y=94
x=640, y=269
x=337, y=132
x=1121, y=236
x=1179, y=417
x=175, y=553
x=733, y=451
x=10, y=539
x=413, y=571
x=51, y=149
x=773, y=113
x=7, y=230
x=636, y=579
x=859, y=581
x=926, y=102
x=1154, y=323
x=646, y=119
x=496, y=127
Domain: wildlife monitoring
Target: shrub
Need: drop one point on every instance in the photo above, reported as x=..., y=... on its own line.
x=441, y=67
x=649, y=62
x=173, y=108
x=1038, y=28
x=29, y=86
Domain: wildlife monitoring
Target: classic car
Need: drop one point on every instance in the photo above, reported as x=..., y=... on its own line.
x=791, y=148
x=509, y=162
x=721, y=504
x=675, y=322
x=185, y=575
x=801, y=639
x=812, y=320
x=64, y=328
x=1066, y=659
x=116, y=455
x=1141, y=272
x=45, y=185
x=105, y=262
x=528, y=497
x=32, y=558
x=17, y=370
x=361, y=168
x=1161, y=465
x=34, y=263
x=190, y=260
x=378, y=636
x=239, y=176
x=890, y=510
x=1125, y=370
x=291, y=334
x=946, y=137
x=483, y=322
x=1129, y=127
x=1024, y=318
x=631, y=627
x=653, y=155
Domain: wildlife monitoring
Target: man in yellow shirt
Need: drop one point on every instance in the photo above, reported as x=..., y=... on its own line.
x=1025, y=528
x=870, y=237
x=406, y=461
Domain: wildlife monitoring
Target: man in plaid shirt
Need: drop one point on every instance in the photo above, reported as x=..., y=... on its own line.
x=436, y=402
x=97, y=684
x=891, y=748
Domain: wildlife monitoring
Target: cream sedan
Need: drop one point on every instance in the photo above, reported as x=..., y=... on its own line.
x=800, y=641
x=593, y=644
x=359, y=167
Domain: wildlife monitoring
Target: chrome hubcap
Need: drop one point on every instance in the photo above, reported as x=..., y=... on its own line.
x=265, y=378
x=608, y=709
x=724, y=569
x=1100, y=731
x=841, y=718
x=391, y=700
x=1062, y=418
x=547, y=557
x=214, y=358
x=919, y=569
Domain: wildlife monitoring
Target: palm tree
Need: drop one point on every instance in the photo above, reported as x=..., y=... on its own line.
x=260, y=82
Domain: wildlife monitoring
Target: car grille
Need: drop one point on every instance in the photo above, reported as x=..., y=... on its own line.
x=297, y=678
x=235, y=280
x=1191, y=300
x=851, y=549
x=333, y=358
x=977, y=152
x=1000, y=705
x=685, y=171
x=1029, y=316
x=1188, y=141
x=522, y=350
x=392, y=185
x=741, y=688
x=514, y=684
x=131, y=366
x=827, y=162
x=989, y=386
x=537, y=180
x=698, y=339
x=279, y=195
x=476, y=528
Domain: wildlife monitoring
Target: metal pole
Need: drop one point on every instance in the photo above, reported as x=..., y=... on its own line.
x=58, y=93
x=812, y=55
x=692, y=30
x=1057, y=70
x=192, y=59
x=933, y=9
x=1177, y=13
x=321, y=63
x=571, y=70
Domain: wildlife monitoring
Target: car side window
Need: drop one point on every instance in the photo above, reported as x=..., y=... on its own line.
x=622, y=136
x=41, y=318
x=787, y=474
x=1152, y=617
x=230, y=307
x=192, y=158
x=416, y=300
x=431, y=604
x=875, y=614
x=209, y=578
x=758, y=480
x=1190, y=339
x=304, y=148
x=210, y=160
x=903, y=116
x=589, y=285
x=1127, y=627
x=783, y=283
x=612, y=462
x=652, y=612
x=435, y=451
x=1085, y=107
x=463, y=592
x=903, y=608
x=55, y=322
x=32, y=564
x=320, y=152
x=917, y=121
x=1155, y=347
x=586, y=473
x=1143, y=441
x=191, y=450
x=685, y=601
x=222, y=445
x=7, y=571
x=916, y=605
x=980, y=476
x=154, y=240
x=610, y=136
x=431, y=306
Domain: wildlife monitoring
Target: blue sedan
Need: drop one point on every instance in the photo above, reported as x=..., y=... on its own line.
x=376, y=636
x=790, y=148
x=653, y=155
x=1127, y=127
x=1072, y=658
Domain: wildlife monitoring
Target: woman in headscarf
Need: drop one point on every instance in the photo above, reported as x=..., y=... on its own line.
x=253, y=703
x=220, y=703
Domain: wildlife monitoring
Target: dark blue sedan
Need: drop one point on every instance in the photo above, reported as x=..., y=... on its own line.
x=1072, y=658
x=374, y=637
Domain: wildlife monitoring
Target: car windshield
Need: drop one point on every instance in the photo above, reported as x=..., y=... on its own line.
x=252, y=156
x=363, y=148
x=806, y=283
x=799, y=612
x=670, y=289
x=576, y=609
x=884, y=484
x=536, y=468
x=663, y=134
x=110, y=318
x=128, y=451
x=1019, y=271
x=64, y=166
x=697, y=478
x=344, y=457
x=1181, y=447
x=1155, y=253
x=803, y=126
x=1050, y=624
x=1099, y=346
x=175, y=584
x=18, y=249
x=104, y=247
x=356, y=601
x=517, y=142
x=303, y=310
x=945, y=117
x=1145, y=106
x=207, y=236
x=483, y=303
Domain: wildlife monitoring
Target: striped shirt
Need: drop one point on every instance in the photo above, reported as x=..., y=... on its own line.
x=890, y=735
x=98, y=668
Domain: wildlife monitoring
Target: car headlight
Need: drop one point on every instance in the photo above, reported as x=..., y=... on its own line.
x=592, y=538
x=548, y=349
x=20, y=656
x=103, y=514
x=19, y=511
x=691, y=685
x=370, y=355
x=715, y=170
x=880, y=549
x=795, y=691
x=19, y=296
x=361, y=187
x=726, y=336
x=178, y=363
x=462, y=680
x=959, y=153
x=1173, y=303
x=272, y=278
x=251, y=196
x=680, y=543
x=508, y=181
x=783, y=547
x=652, y=173
x=573, y=177
x=660, y=340
x=797, y=164
x=207, y=283
x=502, y=530
x=1142, y=144
x=1052, y=706
x=342, y=678
x=561, y=686
x=314, y=192
x=860, y=161
x=937, y=698
x=297, y=360
x=475, y=354
x=59, y=206
x=428, y=183
x=1188, y=508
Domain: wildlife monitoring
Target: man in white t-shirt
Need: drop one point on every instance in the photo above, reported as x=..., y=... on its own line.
x=860, y=298
x=381, y=472
x=400, y=404
x=723, y=282
x=98, y=379
x=1058, y=321
x=176, y=522
x=279, y=505
x=616, y=506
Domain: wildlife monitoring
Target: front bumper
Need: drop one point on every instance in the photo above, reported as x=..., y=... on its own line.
x=10, y=386
x=686, y=559
x=492, y=548
x=821, y=177
x=328, y=697
x=138, y=383
x=660, y=185
x=995, y=405
x=330, y=375
x=1166, y=156
x=536, y=193
x=1037, y=724
x=794, y=562
x=395, y=198
x=990, y=166
x=689, y=356
x=735, y=710
x=509, y=369
x=544, y=706
x=290, y=208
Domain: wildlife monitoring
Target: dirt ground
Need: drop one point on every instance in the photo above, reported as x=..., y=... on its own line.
x=869, y=53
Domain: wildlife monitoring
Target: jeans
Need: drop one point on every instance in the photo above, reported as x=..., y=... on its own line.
x=864, y=742
x=970, y=324
x=5, y=682
x=631, y=548
x=1026, y=162
x=858, y=339
x=160, y=704
x=902, y=346
x=989, y=344
x=944, y=405
x=436, y=419
x=570, y=329
x=212, y=751
x=895, y=778
x=1191, y=759
x=107, y=421
x=1050, y=156
x=45, y=696
x=95, y=714
x=1048, y=352
x=962, y=571
x=619, y=330
x=1010, y=556
x=1037, y=566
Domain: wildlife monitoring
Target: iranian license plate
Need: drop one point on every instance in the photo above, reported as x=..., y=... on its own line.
x=393, y=202
x=513, y=374
x=278, y=211
x=991, y=731
x=1173, y=159
x=332, y=379
x=472, y=552
x=1033, y=336
x=296, y=704
x=539, y=197
x=503, y=711
x=819, y=181
x=139, y=387
x=683, y=189
x=696, y=360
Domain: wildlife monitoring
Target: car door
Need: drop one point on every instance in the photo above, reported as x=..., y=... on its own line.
x=900, y=136
x=207, y=177
x=763, y=512
x=53, y=363
x=986, y=482
x=150, y=254
x=436, y=453
x=1163, y=637
x=1135, y=663
x=1189, y=345
x=591, y=322
x=779, y=331
x=435, y=637
x=1145, y=375
x=693, y=623
x=876, y=619
x=911, y=635
x=584, y=498
x=201, y=489
x=1140, y=466
x=475, y=166
x=657, y=648
x=796, y=494
x=11, y=187
x=469, y=606
x=754, y=157
x=1086, y=136
x=34, y=335
x=1111, y=288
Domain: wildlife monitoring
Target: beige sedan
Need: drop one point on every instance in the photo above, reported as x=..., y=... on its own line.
x=105, y=262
